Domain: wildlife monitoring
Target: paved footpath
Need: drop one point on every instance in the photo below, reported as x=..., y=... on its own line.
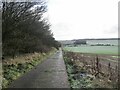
x=51, y=73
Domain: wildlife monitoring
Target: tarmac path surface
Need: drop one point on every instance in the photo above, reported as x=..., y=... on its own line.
x=51, y=73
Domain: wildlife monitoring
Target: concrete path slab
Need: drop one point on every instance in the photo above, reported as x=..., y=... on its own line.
x=51, y=73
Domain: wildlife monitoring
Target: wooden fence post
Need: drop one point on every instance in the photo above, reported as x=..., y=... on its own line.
x=97, y=66
x=109, y=71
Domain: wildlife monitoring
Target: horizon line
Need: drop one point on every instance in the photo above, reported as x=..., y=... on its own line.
x=89, y=38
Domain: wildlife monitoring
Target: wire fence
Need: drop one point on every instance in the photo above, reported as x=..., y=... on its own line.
x=100, y=66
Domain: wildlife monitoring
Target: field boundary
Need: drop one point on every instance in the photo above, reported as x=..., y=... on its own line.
x=93, y=65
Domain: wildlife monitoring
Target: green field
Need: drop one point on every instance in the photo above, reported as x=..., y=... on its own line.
x=112, y=42
x=94, y=49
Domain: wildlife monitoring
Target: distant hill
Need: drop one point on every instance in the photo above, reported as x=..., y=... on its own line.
x=67, y=41
x=72, y=41
x=99, y=39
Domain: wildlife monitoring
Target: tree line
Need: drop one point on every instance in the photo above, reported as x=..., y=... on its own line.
x=24, y=30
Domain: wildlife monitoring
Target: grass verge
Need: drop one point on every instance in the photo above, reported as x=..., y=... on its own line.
x=13, y=69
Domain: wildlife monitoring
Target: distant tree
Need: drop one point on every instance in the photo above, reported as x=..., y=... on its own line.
x=57, y=45
x=79, y=42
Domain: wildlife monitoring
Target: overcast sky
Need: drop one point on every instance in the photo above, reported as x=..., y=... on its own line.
x=76, y=19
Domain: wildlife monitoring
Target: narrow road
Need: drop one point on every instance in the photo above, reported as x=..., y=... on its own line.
x=51, y=73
